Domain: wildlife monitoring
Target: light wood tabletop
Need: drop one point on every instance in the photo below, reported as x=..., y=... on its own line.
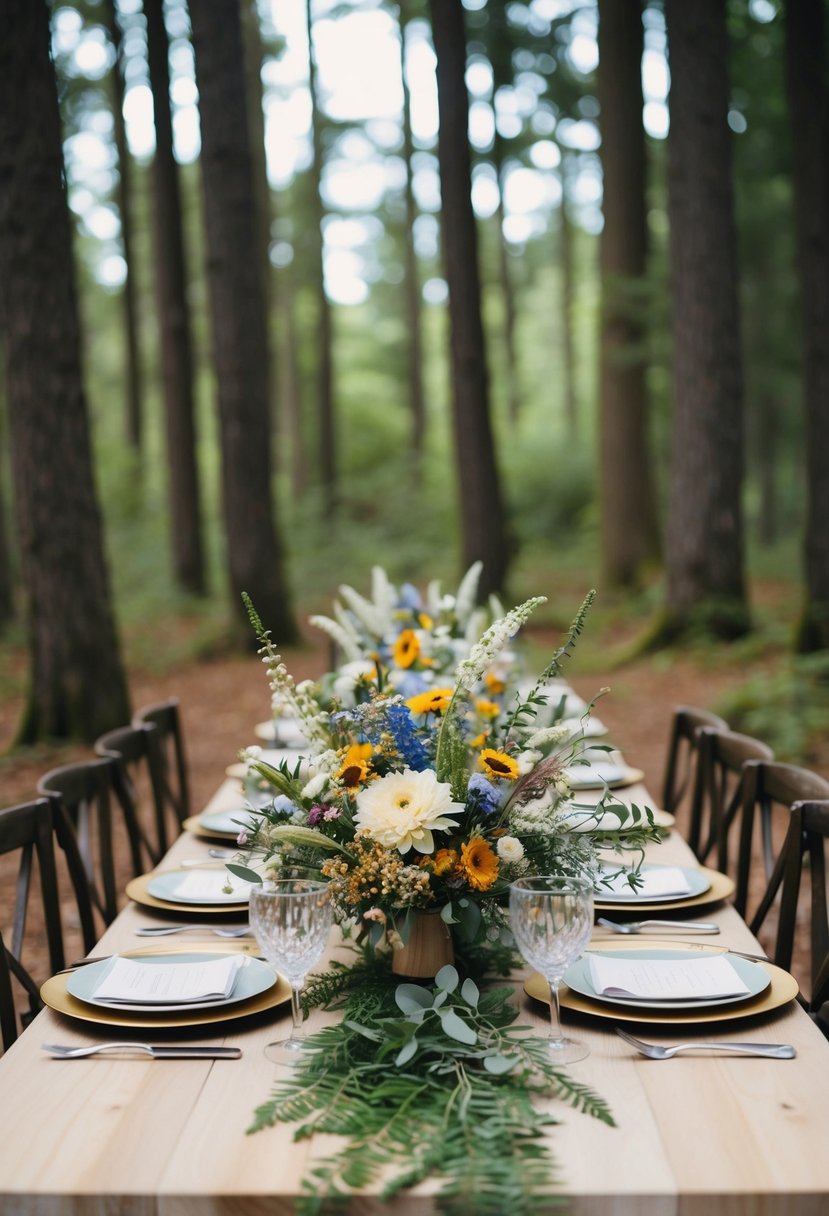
x=695, y=1136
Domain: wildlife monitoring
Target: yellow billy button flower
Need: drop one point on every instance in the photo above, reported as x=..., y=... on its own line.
x=354, y=769
x=487, y=709
x=406, y=648
x=498, y=764
x=478, y=864
x=432, y=702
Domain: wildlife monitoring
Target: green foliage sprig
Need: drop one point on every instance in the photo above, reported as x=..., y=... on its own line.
x=427, y=1080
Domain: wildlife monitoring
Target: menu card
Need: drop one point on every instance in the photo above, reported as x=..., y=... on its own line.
x=663, y=880
x=132, y=982
x=709, y=977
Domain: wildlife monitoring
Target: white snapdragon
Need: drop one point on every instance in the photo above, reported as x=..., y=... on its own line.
x=526, y=761
x=549, y=736
x=314, y=787
x=483, y=653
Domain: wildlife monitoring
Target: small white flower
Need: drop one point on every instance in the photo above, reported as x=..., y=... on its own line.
x=254, y=752
x=509, y=848
x=315, y=786
x=549, y=736
x=527, y=761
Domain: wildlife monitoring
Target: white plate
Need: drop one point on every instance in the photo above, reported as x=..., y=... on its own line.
x=589, y=728
x=755, y=978
x=289, y=732
x=227, y=821
x=582, y=776
x=587, y=819
x=697, y=880
x=167, y=886
x=255, y=977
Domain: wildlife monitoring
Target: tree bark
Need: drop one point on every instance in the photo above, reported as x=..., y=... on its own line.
x=704, y=539
x=571, y=410
x=77, y=682
x=414, y=326
x=6, y=577
x=174, y=322
x=809, y=115
x=134, y=408
x=628, y=514
x=323, y=354
x=239, y=332
x=481, y=515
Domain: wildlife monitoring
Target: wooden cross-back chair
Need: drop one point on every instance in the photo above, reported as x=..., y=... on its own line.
x=681, y=764
x=770, y=790
x=27, y=841
x=138, y=781
x=718, y=789
x=83, y=795
x=169, y=755
x=805, y=850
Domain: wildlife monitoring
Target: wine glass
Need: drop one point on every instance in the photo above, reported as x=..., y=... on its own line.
x=552, y=919
x=291, y=918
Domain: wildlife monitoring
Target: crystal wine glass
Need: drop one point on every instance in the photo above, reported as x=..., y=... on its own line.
x=291, y=918
x=552, y=919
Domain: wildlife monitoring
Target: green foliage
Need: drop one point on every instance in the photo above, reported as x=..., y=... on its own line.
x=788, y=708
x=426, y=1081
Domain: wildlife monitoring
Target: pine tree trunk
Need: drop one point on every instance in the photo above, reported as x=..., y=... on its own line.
x=323, y=350
x=239, y=333
x=174, y=322
x=628, y=515
x=291, y=381
x=77, y=688
x=704, y=539
x=414, y=326
x=571, y=413
x=482, y=523
x=134, y=410
x=6, y=578
x=808, y=102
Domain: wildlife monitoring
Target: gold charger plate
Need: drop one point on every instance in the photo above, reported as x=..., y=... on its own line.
x=55, y=995
x=136, y=890
x=193, y=825
x=721, y=886
x=782, y=989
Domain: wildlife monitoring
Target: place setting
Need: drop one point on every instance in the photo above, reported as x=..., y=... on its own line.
x=208, y=890
x=661, y=887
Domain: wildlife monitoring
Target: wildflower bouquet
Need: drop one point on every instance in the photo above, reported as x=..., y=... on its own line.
x=430, y=802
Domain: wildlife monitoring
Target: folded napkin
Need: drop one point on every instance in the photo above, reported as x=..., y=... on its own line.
x=590, y=774
x=131, y=982
x=198, y=885
x=662, y=880
x=707, y=978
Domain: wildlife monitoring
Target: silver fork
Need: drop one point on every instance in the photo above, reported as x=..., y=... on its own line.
x=636, y=926
x=772, y=1051
x=177, y=1052
x=218, y=930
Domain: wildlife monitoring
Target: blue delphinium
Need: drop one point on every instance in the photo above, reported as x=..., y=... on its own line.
x=482, y=794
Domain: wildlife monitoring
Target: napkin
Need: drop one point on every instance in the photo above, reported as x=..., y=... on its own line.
x=662, y=880
x=707, y=978
x=198, y=885
x=130, y=982
x=589, y=774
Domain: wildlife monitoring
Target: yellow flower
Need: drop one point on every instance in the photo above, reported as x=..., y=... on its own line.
x=406, y=648
x=479, y=740
x=425, y=620
x=431, y=702
x=443, y=861
x=478, y=864
x=489, y=709
x=354, y=768
x=498, y=764
x=495, y=685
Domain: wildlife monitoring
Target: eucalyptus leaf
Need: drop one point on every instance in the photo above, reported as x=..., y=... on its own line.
x=447, y=978
x=457, y=1028
x=406, y=1052
x=447, y=914
x=412, y=997
x=243, y=872
x=470, y=993
x=498, y=1065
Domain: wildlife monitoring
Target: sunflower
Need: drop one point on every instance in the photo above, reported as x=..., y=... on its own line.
x=498, y=764
x=355, y=765
x=478, y=864
x=431, y=702
x=406, y=648
x=487, y=708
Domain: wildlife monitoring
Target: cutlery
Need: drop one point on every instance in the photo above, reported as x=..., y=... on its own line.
x=218, y=930
x=772, y=1051
x=178, y=1052
x=636, y=926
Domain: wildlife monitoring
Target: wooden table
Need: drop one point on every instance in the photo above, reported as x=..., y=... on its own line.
x=699, y=1135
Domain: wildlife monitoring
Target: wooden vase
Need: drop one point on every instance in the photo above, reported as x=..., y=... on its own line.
x=428, y=949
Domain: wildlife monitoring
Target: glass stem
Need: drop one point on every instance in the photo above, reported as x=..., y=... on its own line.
x=554, y=1035
x=296, y=1012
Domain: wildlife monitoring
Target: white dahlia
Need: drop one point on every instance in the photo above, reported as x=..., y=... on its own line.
x=401, y=810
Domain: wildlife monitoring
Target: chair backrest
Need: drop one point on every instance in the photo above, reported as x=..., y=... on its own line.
x=770, y=790
x=82, y=797
x=680, y=767
x=27, y=833
x=717, y=794
x=805, y=849
x=169, y=755
x=138, y=783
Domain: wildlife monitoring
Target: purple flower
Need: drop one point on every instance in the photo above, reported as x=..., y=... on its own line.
x=331, y=812
x=315, y=815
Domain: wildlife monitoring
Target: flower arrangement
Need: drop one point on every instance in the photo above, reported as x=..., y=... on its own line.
x=434, y=801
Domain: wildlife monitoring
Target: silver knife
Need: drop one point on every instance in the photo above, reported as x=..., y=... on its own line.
x=177, y=1051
